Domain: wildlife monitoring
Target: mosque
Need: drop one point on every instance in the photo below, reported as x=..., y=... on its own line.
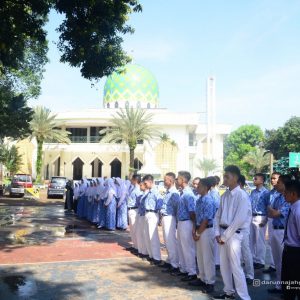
x=187, y=137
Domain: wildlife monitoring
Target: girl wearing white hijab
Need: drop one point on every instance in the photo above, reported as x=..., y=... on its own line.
x=91, y=194
x=96, y=204
x=122, y=214
x=102, y=208
x=81, y=201
x=76, y=196
x=110, y=203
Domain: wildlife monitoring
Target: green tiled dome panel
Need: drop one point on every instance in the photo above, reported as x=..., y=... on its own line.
x=135, y=83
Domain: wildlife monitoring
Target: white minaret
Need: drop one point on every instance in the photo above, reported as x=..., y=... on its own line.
x=211, y=116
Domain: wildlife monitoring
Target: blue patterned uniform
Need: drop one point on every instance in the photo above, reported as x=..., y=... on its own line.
x=186, y=204
x=205, y=209
x=141, y=205
x=271, y=196
x=216, y=197
x=152, y=200
x=132, y=200
x=111, y=210
x=259, y=201
x=170, y=201
x=280, y=204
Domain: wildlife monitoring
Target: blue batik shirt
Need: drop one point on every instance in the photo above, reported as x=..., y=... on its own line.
x=216, y=197
x=259, y=201
x=153, y=200
x=133, y=196
x=170, y=201
x=271, y=196
x=186, y=204
x=141, y=204
x=280, y=204
x=195, y=192
x=205, y=209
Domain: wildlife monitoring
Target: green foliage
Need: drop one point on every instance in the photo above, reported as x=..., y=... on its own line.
x=258, y=159
x=10, y=158
x=43, y=128
x=207, y=165
x=240, y=142
x=285, y=139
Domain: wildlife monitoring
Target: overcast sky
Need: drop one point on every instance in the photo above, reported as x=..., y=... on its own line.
x=251, y=47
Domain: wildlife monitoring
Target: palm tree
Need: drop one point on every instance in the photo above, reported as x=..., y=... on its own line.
x=44, y=128
x=130, y=126
x=258, y=159
x=207, y=165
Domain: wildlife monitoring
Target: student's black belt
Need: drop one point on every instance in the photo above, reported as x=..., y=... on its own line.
x=225, y=227
x=135, y=207
x=278, y=227
x=208, y=226
x=255, y=215
x=184, y=220
x=291, y=249
x=151, y=210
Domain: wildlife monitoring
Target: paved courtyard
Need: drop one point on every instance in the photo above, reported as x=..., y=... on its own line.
x=47, y=253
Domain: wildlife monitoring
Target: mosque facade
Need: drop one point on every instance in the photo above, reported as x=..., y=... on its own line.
x=188, y=137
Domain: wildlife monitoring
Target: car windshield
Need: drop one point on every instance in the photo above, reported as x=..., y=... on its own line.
x=58, y=180
x=22, y=178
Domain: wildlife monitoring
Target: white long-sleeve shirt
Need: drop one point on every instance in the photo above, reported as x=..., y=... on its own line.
x=233, y=212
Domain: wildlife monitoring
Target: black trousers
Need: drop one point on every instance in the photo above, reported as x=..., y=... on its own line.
x=291, y=272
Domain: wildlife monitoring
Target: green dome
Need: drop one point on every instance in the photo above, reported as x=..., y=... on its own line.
x=135, y=86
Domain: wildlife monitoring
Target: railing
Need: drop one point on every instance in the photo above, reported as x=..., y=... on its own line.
x=84, y=139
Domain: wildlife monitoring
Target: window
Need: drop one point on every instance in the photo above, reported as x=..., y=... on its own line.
x=192, y=140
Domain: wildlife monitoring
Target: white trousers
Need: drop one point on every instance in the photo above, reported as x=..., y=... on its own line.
x=217, y=253
x=132, y=216
x=151, y=234
x=205, y=248
x=247, y=255
x=257, y=239
x=277, y=248
x=230, y=266
x=169, y=233
x=186, y=247
x=140, y=234
x=270, y=232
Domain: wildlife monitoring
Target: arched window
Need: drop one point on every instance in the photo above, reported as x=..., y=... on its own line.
x=116, y=104
x=77, y=168
x=148, y=105
x=115, y=168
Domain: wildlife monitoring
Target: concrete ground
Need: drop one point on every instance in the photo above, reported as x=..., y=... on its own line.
x=47, y=253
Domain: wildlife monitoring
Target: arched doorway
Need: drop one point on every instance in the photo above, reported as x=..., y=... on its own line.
x=96, y=167
x=137, y=164
x=116, y=168
x=77, y=168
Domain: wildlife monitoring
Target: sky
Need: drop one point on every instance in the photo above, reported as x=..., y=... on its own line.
x=251, y=47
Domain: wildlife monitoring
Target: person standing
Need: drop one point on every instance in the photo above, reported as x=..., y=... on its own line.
x=229, y=221
x=290, y=272
x=69, y=196
x=122, y=214
x=186, y=218
x=259, y=202
x=151, y=201
x=132, y=206
x=278, y=211
x=195, y=184
x=168, y=215
x=204, y=236
x=111, y=205
x=271, y=196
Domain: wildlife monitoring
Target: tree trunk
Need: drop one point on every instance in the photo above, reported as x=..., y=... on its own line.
x=39, y=161
x=131, y=162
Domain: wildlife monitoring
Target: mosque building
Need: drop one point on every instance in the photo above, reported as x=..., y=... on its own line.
x=188, y=137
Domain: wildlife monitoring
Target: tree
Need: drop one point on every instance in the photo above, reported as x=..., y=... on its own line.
x=285, y=139
x=130, y=126
x=207, y=165
x=240, y=142
x=258, y=159
x=44, y=128
x=10, y=158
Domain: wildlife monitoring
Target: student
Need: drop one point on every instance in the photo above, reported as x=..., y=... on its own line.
x=132, y=205
x=110, y=203
x=204, y=236
x=122, y=195
x=245, y=247
x=168, y=217
x=278, y=211
x=185, y=219
x=229, y=221
x=271, y=196
x=259, y=202
x=195, y=184
x=152, y=200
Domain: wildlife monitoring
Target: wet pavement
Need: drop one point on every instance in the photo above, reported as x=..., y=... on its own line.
x=48, y=253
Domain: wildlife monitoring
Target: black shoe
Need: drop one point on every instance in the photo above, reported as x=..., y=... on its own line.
x=170, y=270
x=189, y=278
x=197, y=282
x=217, y=267
x=149, y=258
x=178, y=273
x=249, y=281
x=164, y=265
x=155, y=262
x=258, y=266
x=223, y=296
x=269, y=270
x=208, y=288
x=275, y=291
